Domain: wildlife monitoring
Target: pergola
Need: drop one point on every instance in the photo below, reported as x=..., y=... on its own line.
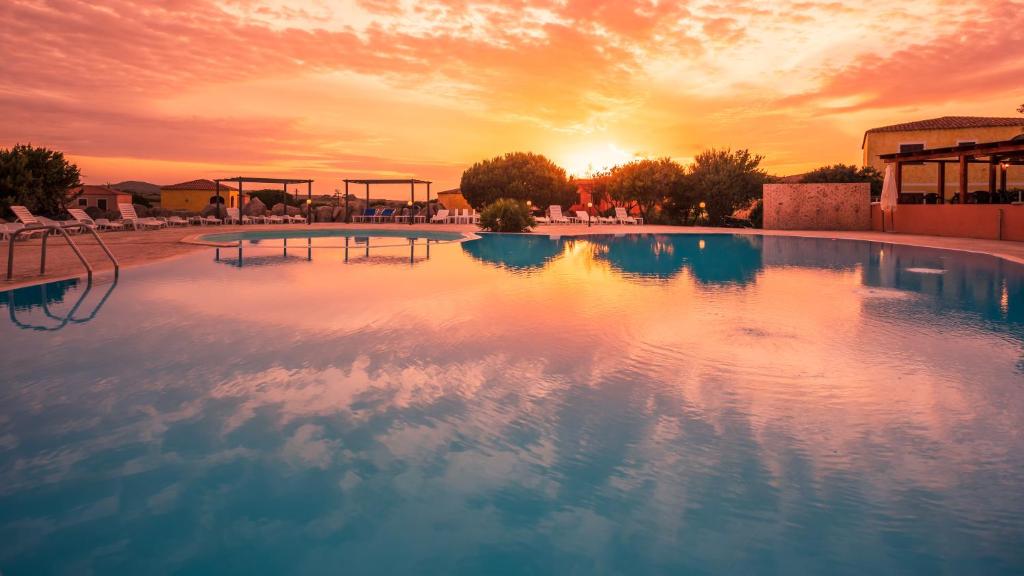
x=999, y=156
x=284, y=182
x=412, y=182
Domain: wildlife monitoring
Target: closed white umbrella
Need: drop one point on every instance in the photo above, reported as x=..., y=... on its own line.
x=889, y=195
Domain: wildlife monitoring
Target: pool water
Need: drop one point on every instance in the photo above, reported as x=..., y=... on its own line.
x=632, y=404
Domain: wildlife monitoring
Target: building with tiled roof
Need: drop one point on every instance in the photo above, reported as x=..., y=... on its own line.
x=194, y=195
x=101, y=197
x=939, y=133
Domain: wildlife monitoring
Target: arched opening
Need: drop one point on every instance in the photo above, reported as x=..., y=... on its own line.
x=216, y=199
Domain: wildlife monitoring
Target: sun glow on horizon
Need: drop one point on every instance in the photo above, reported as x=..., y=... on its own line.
x=586, y=162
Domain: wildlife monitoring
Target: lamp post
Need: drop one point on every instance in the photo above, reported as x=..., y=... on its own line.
x=702, y=207
x=589, y=217
x=309, y=211
x=408, y=212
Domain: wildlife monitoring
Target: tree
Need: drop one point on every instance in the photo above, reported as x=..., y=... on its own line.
x=724, y=180
x=1021, y=109
x=37, y=178
x=519, y=176
x=846, y=173
x=645, y=183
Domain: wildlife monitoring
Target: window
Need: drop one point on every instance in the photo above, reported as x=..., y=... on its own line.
x=916, y=147
x=101, y=203
x=83, y=202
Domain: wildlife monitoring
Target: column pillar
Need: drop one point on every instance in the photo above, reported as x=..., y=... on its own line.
x=964, y=172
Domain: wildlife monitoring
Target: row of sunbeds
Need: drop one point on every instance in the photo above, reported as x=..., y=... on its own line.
x=555, y=216
x=130, y=220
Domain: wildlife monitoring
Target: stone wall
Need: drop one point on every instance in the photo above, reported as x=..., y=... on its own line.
x=817, y=206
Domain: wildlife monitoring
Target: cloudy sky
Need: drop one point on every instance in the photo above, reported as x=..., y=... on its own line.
x=173, y=90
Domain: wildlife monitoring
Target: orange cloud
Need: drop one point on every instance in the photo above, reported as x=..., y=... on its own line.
x=386, y=87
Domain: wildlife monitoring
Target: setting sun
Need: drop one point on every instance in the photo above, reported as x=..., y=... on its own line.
x=590, y=160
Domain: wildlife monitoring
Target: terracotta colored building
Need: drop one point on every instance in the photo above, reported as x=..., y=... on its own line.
x=452, y=199
x=940, y=133
x=195, y=195
x=101, y=197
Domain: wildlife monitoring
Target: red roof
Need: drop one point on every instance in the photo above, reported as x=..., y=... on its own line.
x=202, y=184
x=91, y=190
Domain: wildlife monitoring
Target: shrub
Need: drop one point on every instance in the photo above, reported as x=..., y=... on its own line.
x=506, y=215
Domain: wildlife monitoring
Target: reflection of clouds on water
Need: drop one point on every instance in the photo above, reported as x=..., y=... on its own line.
x=433, y=419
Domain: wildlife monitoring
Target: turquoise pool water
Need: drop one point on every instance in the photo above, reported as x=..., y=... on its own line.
x=628, y=404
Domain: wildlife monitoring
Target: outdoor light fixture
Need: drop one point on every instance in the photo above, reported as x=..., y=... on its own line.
x=409, y=215
x=589, y=217
x=702, y=205
x=309, y=214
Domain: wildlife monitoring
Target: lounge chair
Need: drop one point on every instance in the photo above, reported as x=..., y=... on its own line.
x=81, y=217
x=177, y=221
x=582, y=216
x=440, y=218
x=104, y=224
x=297, y=219
x=27, y=220
x=6, y=229
x=131, y=218
x=233, y=217
x=367, y=214
x=385, y=215
x=211, y=220
x=622, y=217
x=555, y=215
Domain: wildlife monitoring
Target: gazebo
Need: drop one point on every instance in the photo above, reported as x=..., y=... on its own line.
x=284, y=182
x=998, y=156
x=412, y=182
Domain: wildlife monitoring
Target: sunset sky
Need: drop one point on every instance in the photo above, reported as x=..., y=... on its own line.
x=183, y=89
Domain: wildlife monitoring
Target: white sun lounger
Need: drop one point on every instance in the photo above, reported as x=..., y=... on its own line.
x=622, y=217
x=131, y=218
x=233, y=217
x=555, y=215
x=440, y=218
x=583, y=217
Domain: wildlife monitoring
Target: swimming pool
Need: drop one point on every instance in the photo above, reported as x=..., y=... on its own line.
x=630, y=404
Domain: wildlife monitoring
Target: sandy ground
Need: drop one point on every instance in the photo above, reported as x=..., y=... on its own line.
x=144, y=247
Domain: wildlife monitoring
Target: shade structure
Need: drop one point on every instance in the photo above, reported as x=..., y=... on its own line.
x=889, y=194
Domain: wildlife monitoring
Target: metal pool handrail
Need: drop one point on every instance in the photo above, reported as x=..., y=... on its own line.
x=63, y=230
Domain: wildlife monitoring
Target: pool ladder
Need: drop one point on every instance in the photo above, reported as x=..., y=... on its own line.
x=63, y=231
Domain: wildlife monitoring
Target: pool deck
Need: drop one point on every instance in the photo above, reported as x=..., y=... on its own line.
x=145, y=247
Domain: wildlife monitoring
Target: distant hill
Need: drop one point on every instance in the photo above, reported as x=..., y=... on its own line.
x=151, y=191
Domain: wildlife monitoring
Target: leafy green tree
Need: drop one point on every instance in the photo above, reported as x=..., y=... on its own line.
x=37, y=178
x=724, y=180
x=520, y=176
x=506, y=215
x=846, y=173
x=645, y=183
